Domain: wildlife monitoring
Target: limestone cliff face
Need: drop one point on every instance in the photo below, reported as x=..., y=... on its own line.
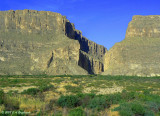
x=38, y=42
x=91, y=56
x=139, y=53
x=31, y=21
x=91, y=64
x=144, y=26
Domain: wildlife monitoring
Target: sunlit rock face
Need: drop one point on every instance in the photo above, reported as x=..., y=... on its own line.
x=144, y=26
x=139, y=53
x=42, y=42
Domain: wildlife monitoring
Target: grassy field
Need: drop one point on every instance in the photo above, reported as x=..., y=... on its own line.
x=92, y=95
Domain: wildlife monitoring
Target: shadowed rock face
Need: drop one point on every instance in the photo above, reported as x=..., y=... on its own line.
x=42, y=42
x=139, y=53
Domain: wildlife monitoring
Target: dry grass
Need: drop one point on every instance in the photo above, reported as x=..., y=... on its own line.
x=103, y=91
x=113, y=113
x=18, y=89
x=2, y=108
x=98, y=85
x=27, y=103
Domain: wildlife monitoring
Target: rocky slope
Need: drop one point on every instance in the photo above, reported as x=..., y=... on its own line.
x=42, y=42
x=139, y=53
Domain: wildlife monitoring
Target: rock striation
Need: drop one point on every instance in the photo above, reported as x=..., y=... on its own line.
x=144, y=26
x=42, y=42
x=139, y=53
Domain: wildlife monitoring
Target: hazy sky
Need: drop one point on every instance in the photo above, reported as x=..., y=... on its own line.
x=102, y=21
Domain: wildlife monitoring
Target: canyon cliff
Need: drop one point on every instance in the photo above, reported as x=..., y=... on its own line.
x=139, y=53
x=42, y=42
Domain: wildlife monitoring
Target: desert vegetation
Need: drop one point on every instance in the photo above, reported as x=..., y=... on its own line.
x=90, y=95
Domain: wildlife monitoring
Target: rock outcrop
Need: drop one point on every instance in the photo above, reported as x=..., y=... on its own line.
x=43, y=42
x=144, y=27
x=139, y=53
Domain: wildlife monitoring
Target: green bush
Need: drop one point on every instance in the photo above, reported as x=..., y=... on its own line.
x=73, y=89
x=138, y=109
x=98, y=103
x=11, y=104
x=129, y=109
x=125, y=113
x=1, y=96
x=146, y=92
x=149, y=113
x=153, y=106
x=68, y=101
x=124, y=109
x=77, y=112
x=127, y=95
x=34, y=91
x=113, y=98
x=31, y=91
x=58, y=113
x=44, y=88
x=84, y=101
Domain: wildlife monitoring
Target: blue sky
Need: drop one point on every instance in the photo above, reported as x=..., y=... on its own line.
x=102, y=21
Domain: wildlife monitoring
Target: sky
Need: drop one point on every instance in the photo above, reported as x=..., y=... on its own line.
x=102, y=21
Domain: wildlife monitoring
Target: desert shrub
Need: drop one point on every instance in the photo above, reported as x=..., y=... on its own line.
x=127, y=95
x=149, y=113
x=113, y=98
x=73, y=89
x=153, y=106
x=49, y=106
x=125, y=113
x=130, y=102
x=11, y=104
x=84, y=99
x=12, y=92
x=34, y=91
x=68, y=101
x=77, y=112
x=158, y=114
x=137, y=109
x=45, y=87
x=124, y=109
x=58, y=113
x=31, y=91
x=152, y=97
x=146, y=92
x=129, y=109
x=1, y=96
x=39, y=113
x=98, y=103
x=58, y=80
x=91, y=95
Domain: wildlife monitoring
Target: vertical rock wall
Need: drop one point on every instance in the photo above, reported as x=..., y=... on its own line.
x=91, y=56
x=43, y=42
x=139, y=53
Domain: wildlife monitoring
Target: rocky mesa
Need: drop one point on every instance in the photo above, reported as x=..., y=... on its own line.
x=42, y=42
x=139, y=53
